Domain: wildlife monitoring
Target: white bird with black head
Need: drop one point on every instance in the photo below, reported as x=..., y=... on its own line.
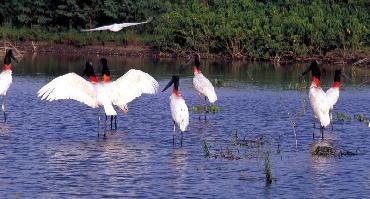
x=6, y=78
x=322, y=102
x=179, y=109
x=96, y=94
x=203, y=86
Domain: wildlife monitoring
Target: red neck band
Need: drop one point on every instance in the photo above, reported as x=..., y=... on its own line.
x=336, y=84
x=316, y=81
x=7, y=66
x=175, y=92
x=106, y=78
x=196, y=70
x=93, y=79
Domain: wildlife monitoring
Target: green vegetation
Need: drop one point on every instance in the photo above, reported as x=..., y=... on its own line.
x=209, y=109
x=256, y=29
x=343, y=117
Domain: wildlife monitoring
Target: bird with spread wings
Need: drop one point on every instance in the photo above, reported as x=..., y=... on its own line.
x=117, y=93
x=117, y=26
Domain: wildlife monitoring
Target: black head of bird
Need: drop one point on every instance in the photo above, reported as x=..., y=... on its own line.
x=197, y=60
x=175, y=81
x=9, y=53
x=314, y=68
x=105, y=69
x=89, y=70
x=337, y=75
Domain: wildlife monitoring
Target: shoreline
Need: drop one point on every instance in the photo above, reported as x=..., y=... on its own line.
x=359, y=58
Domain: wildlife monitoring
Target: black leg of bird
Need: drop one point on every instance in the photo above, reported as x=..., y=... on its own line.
x=98, y=121
x=115, y=122
x=4, y=107
x=111, y=122
x=105, y=123
x=173, y=134
x=205, y=108
x=322, y=132
x=181, y=139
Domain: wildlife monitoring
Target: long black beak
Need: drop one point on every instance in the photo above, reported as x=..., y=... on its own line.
x=168, y=85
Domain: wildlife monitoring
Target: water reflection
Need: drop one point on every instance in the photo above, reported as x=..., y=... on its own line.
x=257, y=73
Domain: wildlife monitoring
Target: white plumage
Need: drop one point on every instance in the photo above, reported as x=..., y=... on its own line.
x=332, y=95
x=119, y=92
x=5, y=81
x=204, y=87
x=320, y=104
x=179, y=111
x=116, y=27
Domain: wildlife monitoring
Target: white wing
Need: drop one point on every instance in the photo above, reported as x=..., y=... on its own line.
x=332, y=95
x=124, y=25
x=320, y=105
x=5, y=81
x=108, y=27
x=130, y=86
x=69, y=86
x=205, y=87
x=116, y=27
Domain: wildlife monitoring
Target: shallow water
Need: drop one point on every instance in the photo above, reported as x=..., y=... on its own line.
x=51, y=149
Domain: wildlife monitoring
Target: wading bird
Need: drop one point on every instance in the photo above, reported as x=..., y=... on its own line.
x=95, y=94
x=117, y=27
x=6, y=78
x=322, y=103
x=203, y=85
x=105, y=72
x=179, y=110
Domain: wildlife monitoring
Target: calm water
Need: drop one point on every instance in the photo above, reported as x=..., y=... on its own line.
x=51, y=149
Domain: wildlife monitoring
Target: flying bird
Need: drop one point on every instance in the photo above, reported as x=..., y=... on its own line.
x=202, y=84
x=117, y=26
x=96, y=94
x=179, y=109
x=6, y=78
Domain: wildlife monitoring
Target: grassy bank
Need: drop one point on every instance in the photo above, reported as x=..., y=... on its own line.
x=280, y=31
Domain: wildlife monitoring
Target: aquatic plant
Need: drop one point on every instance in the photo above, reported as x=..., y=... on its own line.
x=210, y=108
x=268, y=172
x=343, y=117
x=360, y=117
x=206, y=149
x=326, y=149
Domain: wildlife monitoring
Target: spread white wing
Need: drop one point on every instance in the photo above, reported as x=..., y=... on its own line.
x=108, y=27
x=124, y=25
x=130, y=86
x=69, y=86
x=117, y=27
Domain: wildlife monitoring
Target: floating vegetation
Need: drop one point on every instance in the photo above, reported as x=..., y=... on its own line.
x=209, y=109
x=324, y=148
x=360, y=117
x=323, y=151
x=343, y=117
x=218, y=83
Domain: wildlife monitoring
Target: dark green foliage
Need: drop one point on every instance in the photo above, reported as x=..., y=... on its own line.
x=240, y=28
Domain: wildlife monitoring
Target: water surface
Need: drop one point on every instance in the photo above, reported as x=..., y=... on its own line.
x=51, y=149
